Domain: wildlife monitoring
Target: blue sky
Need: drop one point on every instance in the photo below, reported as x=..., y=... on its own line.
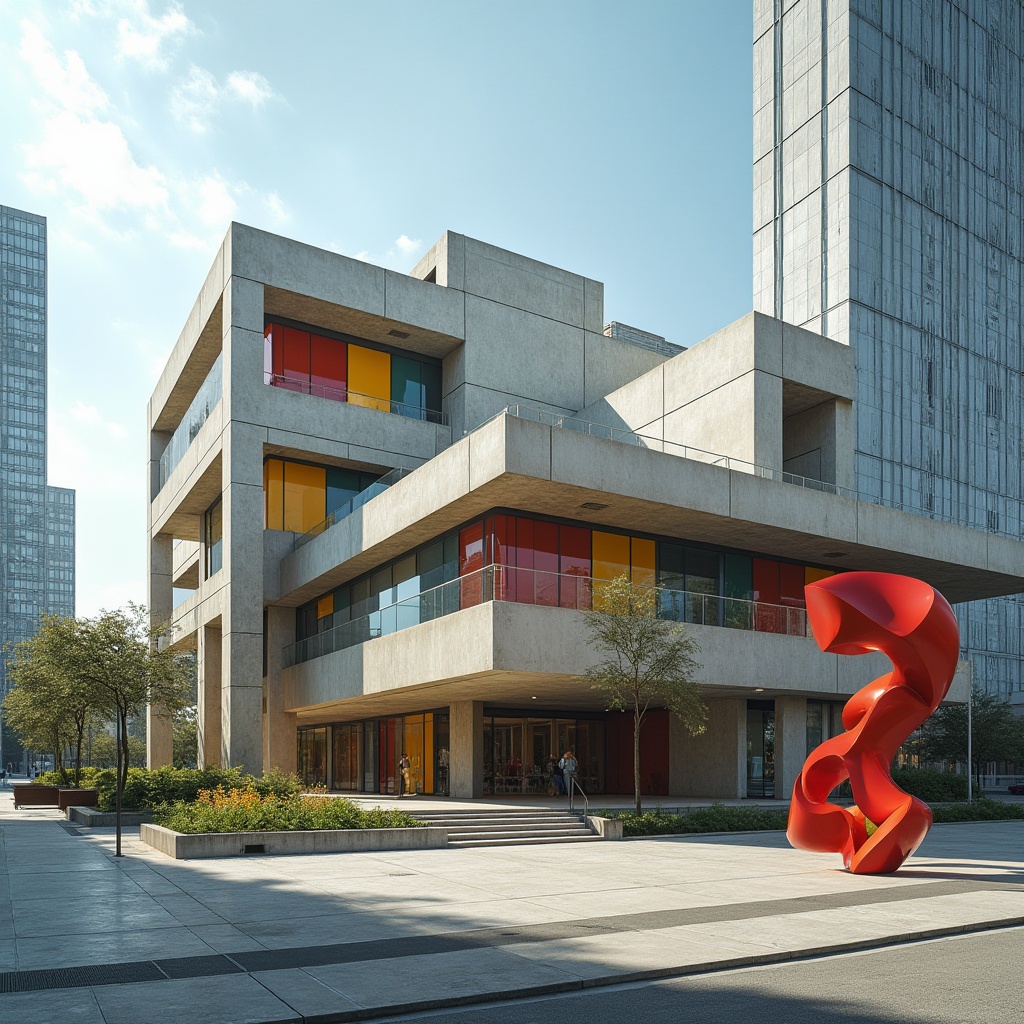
x=611, y=139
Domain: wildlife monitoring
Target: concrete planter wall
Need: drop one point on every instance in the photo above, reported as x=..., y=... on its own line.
x=606, y=828
x=93, y=818
x=182, y=846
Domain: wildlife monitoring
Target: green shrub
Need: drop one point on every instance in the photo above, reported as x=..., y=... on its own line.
x=931, y=786
x=978, y=810
x=87, y=777
x=246, y=810
x=151, y=787
x=716, y=818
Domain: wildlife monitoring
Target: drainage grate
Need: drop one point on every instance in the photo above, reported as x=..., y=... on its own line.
x=72, y=830
x=255, y=848
x=197, y=966
x=79, y=977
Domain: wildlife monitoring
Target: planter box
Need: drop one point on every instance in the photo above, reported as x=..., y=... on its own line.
x=77, y=798
x=107, y=819
x=30, y=794
x=182, y=846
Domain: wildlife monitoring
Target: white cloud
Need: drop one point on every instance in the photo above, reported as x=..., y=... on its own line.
x=83, y=156
x=197, y=99
x=66, y=83
x=141, y=36
x=249, y=86
x=408, y=246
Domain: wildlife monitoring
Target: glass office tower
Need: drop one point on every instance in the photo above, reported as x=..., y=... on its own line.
x=887, y=208
x=37, y=522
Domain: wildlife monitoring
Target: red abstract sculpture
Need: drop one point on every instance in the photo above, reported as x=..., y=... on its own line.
x=913, y=625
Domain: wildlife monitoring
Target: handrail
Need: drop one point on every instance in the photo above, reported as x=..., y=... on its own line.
x=379, y=486
x=317, y=390
x=573, y=785
x=550, y=589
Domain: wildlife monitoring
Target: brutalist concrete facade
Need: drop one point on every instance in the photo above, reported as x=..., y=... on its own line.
x=887, y=203
x=544, y=416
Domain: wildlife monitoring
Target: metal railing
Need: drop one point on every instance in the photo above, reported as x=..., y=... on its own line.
x=317, y=389
x=357, y=501
x=573, y=786
x=547, y=589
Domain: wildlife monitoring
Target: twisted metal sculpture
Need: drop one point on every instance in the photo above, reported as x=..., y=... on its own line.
x=913, y=625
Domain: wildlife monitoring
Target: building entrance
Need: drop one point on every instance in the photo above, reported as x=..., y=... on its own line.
x=761, y=748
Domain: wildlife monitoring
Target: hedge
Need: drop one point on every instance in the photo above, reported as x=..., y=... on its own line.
x=247, y=810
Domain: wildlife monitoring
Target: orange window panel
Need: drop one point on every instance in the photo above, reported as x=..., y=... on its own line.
x=611, y=555
x=642, y=562
x=305, y=496
x=813, y=575
x=369, y=378
x=325, y=606
x=273, y=494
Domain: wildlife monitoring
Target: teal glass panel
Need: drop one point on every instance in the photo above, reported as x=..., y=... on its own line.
x=431, y=377
x=406, y=387
x=739, y=591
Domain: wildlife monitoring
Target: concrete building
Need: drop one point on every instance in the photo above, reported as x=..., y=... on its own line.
x=380, y=504
x=37, y=522
x=887, y=202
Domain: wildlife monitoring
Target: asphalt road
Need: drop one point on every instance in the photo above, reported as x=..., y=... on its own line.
x=976, y=979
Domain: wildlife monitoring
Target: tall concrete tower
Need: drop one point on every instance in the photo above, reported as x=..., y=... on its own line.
x=888, y=169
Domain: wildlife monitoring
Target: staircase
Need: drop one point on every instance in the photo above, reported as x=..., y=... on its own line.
x=509, y=827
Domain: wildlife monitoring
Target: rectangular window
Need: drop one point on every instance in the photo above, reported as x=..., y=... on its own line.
x=305, y=490
x=768, y=617
x=739, y=589
x=407, y=390
x=574, y=566
x=369, y=378
x=214, y=532
x=471, y=560
x=294, y=359
x=328, y=368
x=273, y=494
x=642, y=561
x=610, y=560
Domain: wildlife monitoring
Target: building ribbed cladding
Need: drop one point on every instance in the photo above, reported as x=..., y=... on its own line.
x=888, y=170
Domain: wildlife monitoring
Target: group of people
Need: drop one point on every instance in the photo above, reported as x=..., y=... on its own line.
x=560, y=773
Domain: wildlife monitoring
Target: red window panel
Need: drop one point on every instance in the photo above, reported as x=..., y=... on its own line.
x=502, y=545
x=471, y=560
x=767, y=614
x=328, y=370
x=525, y=583
x=545, y=560
x=574, y=567
x=295, y=361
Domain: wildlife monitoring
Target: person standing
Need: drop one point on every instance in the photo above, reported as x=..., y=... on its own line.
x=403, y=775
x=569, y=767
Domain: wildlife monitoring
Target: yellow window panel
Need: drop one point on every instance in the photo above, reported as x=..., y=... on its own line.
x=611, y=555
x=369, y=378
x=325, y=606
x=642, y=562
x=813, y=575
x=273, y=494
x=305, y=496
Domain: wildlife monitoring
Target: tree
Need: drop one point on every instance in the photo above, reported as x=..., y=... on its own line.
x=997, y=734
x=649, y=661
x=185, y=737
x=49, y=706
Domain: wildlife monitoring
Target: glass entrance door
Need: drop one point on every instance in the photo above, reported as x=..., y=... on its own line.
x=760, y=748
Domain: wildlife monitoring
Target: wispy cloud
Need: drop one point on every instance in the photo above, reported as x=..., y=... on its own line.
x=82, y=154
x=408, y=246
x=198, y=98
x=400, y=255
x=141, y=35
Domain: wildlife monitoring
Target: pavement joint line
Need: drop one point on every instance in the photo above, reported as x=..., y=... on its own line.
x=252, y=961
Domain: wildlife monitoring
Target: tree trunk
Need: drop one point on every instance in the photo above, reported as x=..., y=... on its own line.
x=637, y=722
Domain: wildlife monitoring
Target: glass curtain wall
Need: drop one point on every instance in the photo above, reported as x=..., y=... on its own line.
x=760, y=748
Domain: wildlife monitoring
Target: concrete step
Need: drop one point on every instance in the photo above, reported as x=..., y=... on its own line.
x=499, y=820
x=522, y=841
x=574, y=828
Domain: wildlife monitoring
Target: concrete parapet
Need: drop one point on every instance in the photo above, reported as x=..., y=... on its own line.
x=92, y=818
x=181, y=846
x=606, y=828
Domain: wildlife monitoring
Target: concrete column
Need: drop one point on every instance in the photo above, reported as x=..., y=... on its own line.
x=279, y=730
x=208, y=669
x=790, y=743
x=714, y=763
x=159, y=728
x=466, y=766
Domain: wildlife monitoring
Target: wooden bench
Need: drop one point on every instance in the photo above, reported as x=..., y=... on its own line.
x=77, y=798
x=32, y=795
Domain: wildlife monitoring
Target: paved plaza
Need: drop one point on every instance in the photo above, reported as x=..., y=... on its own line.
x=85, y=937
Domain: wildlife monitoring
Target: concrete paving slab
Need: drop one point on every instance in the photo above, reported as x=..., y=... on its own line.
x=440, y=979
x=225, y=938
x=69, y=1006
x=305, y=994
x=107, y=947
x=236, y=999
